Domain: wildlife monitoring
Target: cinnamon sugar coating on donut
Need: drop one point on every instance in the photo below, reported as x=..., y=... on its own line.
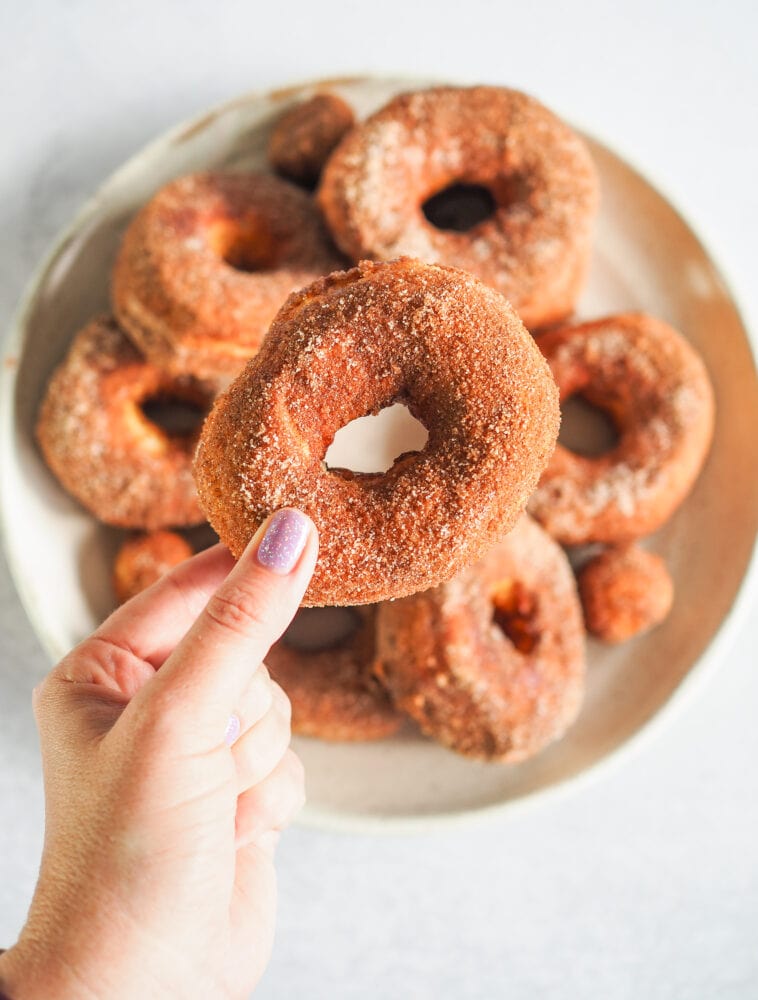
x=102, y=447
x=433, y=338
x=534, y=247
x=304, y=136
x=655, y=388
x=625, y=591
x=206, y=264
x=491, y=663
x=333, y=691
x=144, y=559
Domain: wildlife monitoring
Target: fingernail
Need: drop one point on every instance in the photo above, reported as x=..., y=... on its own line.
x=232, y=731
x=284, y=540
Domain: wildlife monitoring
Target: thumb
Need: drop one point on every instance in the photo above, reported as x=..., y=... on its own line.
x=205, y=676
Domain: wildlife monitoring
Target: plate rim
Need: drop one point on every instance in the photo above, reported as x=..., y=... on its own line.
x=699, y=673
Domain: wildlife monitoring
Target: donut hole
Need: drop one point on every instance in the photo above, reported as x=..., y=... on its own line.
x=245, y=247
x=459, y=207
x=373, y=444
x=177, y=416
x=315, y=629
x=514, y=609
x=586, y=429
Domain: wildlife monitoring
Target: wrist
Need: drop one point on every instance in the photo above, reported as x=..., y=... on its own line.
x=31, y=973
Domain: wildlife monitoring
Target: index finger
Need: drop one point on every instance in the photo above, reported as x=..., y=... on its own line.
x=152, y=623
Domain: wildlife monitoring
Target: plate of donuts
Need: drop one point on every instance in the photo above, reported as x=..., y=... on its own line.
x=473, y=658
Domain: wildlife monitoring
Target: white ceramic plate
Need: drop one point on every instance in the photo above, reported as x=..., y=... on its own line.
x=645, y=257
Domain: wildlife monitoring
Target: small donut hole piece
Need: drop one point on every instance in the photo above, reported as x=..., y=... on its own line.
x=586, y=430
x=316, y=629
x=372, y=444
x=175, y=415
x=513, y=612
x=244, y=246
x=459, y=207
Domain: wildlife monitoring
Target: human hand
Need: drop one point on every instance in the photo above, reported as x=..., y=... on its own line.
x=157, y=875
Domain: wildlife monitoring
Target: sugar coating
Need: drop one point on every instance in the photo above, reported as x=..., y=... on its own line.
x=655, y=388
x=304, y=136
x=144, y=559
x=334, y=693
x=177, y=297
x=625, y=591
x=100, y=445
x=534, y=248
x=433, y=338
x=448, y=664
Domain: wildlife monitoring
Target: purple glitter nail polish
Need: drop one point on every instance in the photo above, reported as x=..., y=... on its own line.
x=284, y=541
x=232, y=731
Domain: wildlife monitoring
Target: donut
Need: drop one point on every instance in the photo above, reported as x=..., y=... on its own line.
x=144, y=559
x=535, y=177
x=655, y=388
x=333, y=691
x=434, y=338
x=304, y=136
x=625, y=591
x=490, y=664
x=206, y=264
x=99, y=442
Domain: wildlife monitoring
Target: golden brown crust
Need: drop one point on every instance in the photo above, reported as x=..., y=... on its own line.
x=333, y=692
x=655, y=388
x=103, y=449
x=304, y=136
x=351, y=344
x=174, y=290
x=534, y=248
x=491, y=664
x=144, y=559
x=625, y=591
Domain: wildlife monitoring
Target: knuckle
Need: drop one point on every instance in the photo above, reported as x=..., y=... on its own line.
x=292, y=801
x=296, y=770
x=160, y=718
x=41, y=697
x=281, y=702
x=238, y=609
x=261, y=691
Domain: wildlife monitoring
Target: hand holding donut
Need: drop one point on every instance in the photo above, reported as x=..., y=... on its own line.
x=168, y=777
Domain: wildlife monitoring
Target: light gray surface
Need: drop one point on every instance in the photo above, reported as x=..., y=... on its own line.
x=642, y=885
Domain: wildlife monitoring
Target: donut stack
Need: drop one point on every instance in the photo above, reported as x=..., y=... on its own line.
x=468, y=214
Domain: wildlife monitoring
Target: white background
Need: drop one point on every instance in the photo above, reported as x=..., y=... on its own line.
x=644, y=885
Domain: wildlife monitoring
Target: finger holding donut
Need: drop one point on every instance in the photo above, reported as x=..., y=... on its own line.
x=156, y=805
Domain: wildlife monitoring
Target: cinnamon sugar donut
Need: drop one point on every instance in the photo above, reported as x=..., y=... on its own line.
x=100, y=444
x=333, y=691
x=206, y=264
x=304, y=136
x=434, y=338
x=625, y=591
x=491, y=663
x=536, y=174
x=144, y=559
x=654, y=387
